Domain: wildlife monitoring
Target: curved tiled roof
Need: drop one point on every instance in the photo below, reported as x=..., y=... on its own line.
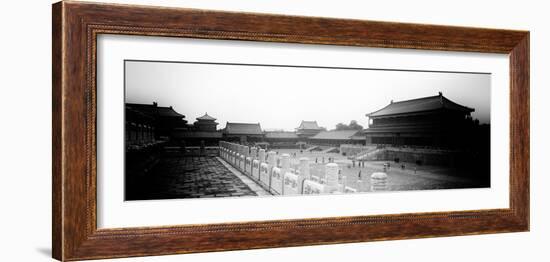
x=243, y=128
x=136, y=114
x=154, y=110
x=168, y=112
x=206, y=117
x=420, y=105
x=309, y=125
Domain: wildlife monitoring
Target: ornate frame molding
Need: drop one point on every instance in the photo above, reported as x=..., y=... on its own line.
x=76, y=26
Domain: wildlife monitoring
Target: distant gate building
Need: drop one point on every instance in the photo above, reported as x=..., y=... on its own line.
x=308, y=129
x=243, y=132
x=282, y=139
x=433, y=121
x=202, y=132
x=336, y=138
x=205, y=123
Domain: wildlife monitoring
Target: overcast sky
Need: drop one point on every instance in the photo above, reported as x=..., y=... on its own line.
x=280, y=97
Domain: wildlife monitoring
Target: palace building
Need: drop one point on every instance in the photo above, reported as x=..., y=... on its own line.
x=205, y=123
x=204, y=131
x=433, y=121
x=243, y=132
x=148, y=128
x=308, y=129
x=163, y=120
x=336, y=138
x=140, y=128
x=282, y=139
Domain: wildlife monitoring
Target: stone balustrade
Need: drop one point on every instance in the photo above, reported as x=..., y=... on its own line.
x=274, y=173
x=378, y=181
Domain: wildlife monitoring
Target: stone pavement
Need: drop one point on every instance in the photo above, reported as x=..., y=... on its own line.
x=426, y=178
x=188, y=177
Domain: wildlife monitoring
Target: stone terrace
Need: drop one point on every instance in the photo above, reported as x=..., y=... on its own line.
x=188, y=177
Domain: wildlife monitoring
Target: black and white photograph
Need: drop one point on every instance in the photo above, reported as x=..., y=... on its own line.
x=269, y=131
x=198, y=129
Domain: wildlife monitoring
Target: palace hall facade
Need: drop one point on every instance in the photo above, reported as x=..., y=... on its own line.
x=433, y=121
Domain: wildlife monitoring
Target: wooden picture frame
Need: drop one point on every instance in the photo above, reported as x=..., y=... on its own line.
x=76, y=26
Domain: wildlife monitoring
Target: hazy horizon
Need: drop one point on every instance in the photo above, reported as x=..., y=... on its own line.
x=281, y=97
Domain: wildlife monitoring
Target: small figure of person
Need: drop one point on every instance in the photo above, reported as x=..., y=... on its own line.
x=359, y=175
x=403, y=166
x=415, y=170
x=315, y=160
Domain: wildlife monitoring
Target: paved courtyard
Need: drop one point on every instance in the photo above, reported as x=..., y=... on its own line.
x=189, y=177
x=209, y=176
x=411, y=177
x=424, y=178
